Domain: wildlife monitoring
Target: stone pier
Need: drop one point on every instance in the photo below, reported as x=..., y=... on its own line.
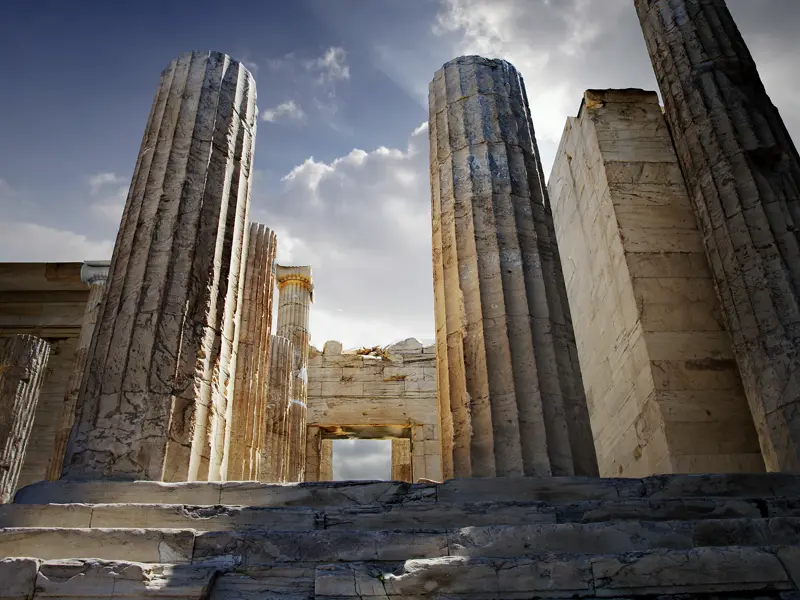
x=662, y=386
x=279, y=392
x=742, y=171
x=295, y=295
x=23, y=359
x=153, y=400
x=401, y=460
x=94, y=274
x=248, y=446
x=510, y=390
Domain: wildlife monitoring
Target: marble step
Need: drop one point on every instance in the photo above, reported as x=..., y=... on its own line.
x=661, y=573
x=554, y=490
x=386, y=516
x=259, y=547
x=766, y=573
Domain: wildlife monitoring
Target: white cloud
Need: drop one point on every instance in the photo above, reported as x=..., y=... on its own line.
x=285, y=110
x=109, y=192
x=28, y=242
x=362, y=459
x=331, y=66
x=99, y=181
x=362, y=221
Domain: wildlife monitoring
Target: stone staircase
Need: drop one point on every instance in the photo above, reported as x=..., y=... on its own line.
x=705, y=536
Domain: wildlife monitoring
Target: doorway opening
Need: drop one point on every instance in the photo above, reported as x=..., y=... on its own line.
x=359, y=459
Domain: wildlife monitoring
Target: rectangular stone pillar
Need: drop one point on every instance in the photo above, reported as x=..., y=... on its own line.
x=662, y=386
x=313, y=453
x=742, y=171
x=279, y=392
x=295, y=294
x=153, y=403
x=248, y=441
x=93, y=274
x=401, y=460
x=23, y=359
x=510, y=392
x=326, y=461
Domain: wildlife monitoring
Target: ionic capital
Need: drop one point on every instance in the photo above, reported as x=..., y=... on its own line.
x=95, y=272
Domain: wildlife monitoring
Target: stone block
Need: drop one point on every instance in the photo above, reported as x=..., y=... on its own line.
x=344, y=493
x=332, y=347
x=545, y=489
x=102, y=579
x=695, y=571
x=138, y=545
x=18, y=578
x=45, y=515
x=284, y=581
x=65, y=491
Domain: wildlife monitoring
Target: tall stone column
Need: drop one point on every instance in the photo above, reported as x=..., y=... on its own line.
x=94, y=274
x=279, y=391
x=23, y=359
x=153, y=400
x=295, y=294
x=511, y=397
x=743, y=174
x=248, y=426
x=326, y=460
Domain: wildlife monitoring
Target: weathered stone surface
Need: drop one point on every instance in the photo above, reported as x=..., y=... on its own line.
x=338, y=493
x=138, y=545
x=249, y=444
x=295, y=295
x=18, y=577
x=741, y=169
x=23, y=359
x=161, y=364
x=118, y=579
x=443, y=577
x=510, y=390
x=689, y=571
x=46, y=515
x=284, y=581
x=98, y=492
x=663, y=390
x=94, y=274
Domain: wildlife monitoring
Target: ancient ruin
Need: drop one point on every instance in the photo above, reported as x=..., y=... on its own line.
x=612, y=378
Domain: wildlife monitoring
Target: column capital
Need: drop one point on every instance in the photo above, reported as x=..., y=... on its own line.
x=95, y=271
x=300, y=274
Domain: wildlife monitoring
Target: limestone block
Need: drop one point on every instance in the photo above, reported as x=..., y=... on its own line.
x=545, y=576
x=46, y=515
x=410, y=345
x=699, y=570
x=18, y=576
x=98, y=492
x=505, y=343
x=161, y=364
x=546, y=489
x=117, y=579
x=139, y=545
x=743, y=204
x=287, y=581
x=23, y=359
x=332, y=347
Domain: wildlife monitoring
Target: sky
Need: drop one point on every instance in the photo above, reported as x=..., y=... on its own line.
x=341, y=162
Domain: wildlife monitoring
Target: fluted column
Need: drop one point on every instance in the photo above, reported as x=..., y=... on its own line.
x=23, y=359
x=295, y=294
x=279, y=392
x=510, y=392
x=153, y=404
x=743, y=174
x=249, y=421
x=94, y=274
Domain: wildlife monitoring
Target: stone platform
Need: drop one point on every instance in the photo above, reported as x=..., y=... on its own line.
x=731, y=536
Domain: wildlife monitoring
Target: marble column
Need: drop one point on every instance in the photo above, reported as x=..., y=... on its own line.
x=742, y=171
x=153, y=402
x=279, y=392
x=247, y=445
x=511, y=397
x=295, y=294
x=23, y=360
x=93, y=274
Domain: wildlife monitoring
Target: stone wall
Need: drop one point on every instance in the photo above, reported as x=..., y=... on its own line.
x=377, y=396
x=663, y=389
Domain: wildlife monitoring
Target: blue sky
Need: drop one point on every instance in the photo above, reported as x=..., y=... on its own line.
x=341, y=153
